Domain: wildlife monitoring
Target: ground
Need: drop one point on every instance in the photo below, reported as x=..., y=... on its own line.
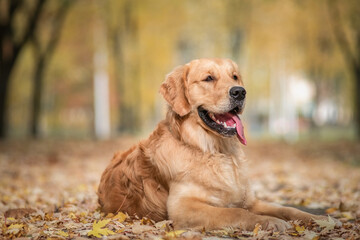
x=48, y=191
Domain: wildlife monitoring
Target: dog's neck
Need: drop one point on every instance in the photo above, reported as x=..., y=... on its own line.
x=188, y=130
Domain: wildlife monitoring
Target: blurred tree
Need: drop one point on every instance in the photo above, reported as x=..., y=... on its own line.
x=146, y=39
x=123, y=30
x=12, y=41
x=43, y=51
x=350, y=48
x=235, y=20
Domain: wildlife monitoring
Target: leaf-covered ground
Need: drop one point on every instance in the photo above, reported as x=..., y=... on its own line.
x=48, y=191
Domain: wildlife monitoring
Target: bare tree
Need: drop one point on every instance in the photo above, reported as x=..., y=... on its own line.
x=43, y=53
x=11, y=45
x=350, y=50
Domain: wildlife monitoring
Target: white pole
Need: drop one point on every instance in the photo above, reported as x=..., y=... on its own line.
x=101, y=84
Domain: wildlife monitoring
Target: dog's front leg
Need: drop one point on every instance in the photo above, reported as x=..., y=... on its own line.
x=193, y=212
x=286, y=213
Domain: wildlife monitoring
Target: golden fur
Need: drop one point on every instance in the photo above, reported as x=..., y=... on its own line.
x=185, y=171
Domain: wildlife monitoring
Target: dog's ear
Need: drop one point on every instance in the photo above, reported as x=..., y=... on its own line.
x=173, y=90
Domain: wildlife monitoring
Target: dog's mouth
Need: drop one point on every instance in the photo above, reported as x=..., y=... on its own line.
x=227, y=124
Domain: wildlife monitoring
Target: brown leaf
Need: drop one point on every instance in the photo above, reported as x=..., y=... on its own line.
x=18, y=212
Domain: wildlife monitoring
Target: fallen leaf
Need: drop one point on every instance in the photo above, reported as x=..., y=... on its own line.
x=138, y=228
x=331, y=210
x=62, y=233
x=328, y=224
x=13, y=226
x=310, y=235
x=120, y=217
x=161, y=224
x=343, y=207
x=299, y=229
x=18, y=212
x=347, y=215
x=256, y=229
x=98, y=229
x=175, y=233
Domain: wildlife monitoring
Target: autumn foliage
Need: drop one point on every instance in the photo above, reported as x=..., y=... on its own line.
x=48, y=190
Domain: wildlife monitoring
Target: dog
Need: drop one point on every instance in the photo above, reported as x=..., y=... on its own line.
x=191, y=169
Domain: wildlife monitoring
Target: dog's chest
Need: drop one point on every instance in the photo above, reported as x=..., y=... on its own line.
x=224, y=182
x=233, y=186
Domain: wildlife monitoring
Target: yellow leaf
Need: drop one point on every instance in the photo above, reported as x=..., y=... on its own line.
x=120, y=217
x=11, y=219
x=299, y=229
x=62, y=233
x=98, y=229
x=175, y=233
x=347, y=215
x=15, y=226
x=256, y=229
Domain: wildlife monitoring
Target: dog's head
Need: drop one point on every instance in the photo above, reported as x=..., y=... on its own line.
x=211, y=89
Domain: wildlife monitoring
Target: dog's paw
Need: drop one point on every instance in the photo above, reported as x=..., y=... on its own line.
x=274, y=224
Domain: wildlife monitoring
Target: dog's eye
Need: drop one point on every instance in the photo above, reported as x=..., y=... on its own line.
x=209, y=78
x=235, y=77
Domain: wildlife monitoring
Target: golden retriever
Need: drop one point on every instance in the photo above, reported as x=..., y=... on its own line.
x=191, y=168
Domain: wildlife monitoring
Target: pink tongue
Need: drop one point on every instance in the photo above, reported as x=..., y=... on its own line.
x=239, y=129
x=230, y=119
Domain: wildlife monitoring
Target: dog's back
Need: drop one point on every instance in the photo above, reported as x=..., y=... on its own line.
x=132, y=184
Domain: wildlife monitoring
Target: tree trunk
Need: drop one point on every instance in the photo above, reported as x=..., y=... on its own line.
x=8, y=55
x=10, y=50
x=4, y=83
x=129, y=121
x=357, y=99
x=36, y=101
x=120, y=79
x=352, y=58
x=43, y=58
x=357, y=82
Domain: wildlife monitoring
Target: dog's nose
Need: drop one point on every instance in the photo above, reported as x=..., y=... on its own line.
x=237, y=93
